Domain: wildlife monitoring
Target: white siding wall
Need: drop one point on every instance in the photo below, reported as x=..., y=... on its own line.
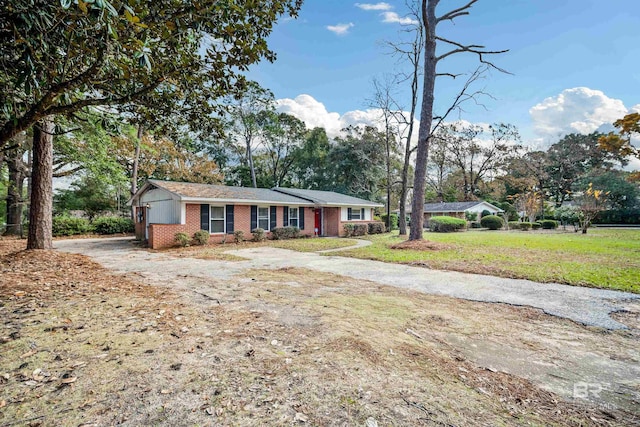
x=164, y=208
x=479, y=208
x=344, y=214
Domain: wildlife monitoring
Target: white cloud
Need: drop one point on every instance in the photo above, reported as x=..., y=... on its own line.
x=576, y=110
x=340, y=29
x=311, y=112
x=394, y=18
x=374, y=6
x=635, y=109
x=314, y=114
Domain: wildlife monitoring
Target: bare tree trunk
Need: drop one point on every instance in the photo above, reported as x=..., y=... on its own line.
x=429, y=21
x=18, y=171
x=388, y=143
x=15, y=190
x=402, y=217
x=134, y=172
x=426, y=119
x=15, y=203
x=253, y=170
x=41, y=211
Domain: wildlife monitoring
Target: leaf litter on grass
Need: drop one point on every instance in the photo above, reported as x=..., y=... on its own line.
x=83, y=345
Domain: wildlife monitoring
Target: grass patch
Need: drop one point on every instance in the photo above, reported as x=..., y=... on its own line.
x=218, y=252
x=312, y=245
x=607, y=259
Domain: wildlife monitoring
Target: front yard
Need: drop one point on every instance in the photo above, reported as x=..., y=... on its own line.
x=162, y=346
x=603, y=258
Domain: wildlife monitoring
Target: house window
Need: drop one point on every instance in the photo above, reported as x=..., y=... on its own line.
x=356, y=214
x=293, y=217
x=217, y=219
x=263, y=218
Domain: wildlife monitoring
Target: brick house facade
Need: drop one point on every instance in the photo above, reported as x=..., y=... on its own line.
x=164, y=208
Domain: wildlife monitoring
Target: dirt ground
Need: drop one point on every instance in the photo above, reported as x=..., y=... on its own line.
x=80, y=345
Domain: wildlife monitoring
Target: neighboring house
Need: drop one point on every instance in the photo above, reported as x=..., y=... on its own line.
x=164, y=208
x=457, y=209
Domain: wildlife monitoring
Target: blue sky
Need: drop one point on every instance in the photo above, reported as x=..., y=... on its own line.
x=576, y=61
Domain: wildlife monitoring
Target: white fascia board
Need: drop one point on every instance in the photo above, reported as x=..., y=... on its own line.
x=489, y=205
x=183, y=213
x=348, y=205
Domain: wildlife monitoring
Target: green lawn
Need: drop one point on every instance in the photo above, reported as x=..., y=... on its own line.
x=313, y=244
x=602, y=258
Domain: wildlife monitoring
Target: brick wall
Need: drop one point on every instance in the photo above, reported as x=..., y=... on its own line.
x=163, y=235
x=331, y=222
x=309, y=220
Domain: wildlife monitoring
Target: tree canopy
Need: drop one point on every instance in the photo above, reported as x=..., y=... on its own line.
x=60, y=57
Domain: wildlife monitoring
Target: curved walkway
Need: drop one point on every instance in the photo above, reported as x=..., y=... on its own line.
x=584, y=305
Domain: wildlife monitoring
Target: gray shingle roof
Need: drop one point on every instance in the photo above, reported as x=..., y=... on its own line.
x=327, y=198
x=452, y=206
x=187, y=190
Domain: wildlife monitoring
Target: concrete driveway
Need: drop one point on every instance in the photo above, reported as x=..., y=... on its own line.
x=584, y=305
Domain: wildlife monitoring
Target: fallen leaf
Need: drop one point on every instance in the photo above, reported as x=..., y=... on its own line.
x=28, y=353
x=69, y=380
x=301, y=417
x=77, y=365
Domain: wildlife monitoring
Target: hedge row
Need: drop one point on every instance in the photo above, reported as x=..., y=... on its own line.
x=362, y=229
x=283, y=233
x=446, y=224
x=547, y=224
x=112, y=225
x=70, y=226
x=200, y=237
x=492, y=222
x=393, y=221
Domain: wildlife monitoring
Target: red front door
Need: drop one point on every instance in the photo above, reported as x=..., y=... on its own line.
x=318, y=222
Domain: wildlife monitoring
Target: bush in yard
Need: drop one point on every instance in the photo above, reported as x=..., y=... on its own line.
x=201, y=237
x=446, y=224
x=181, y=239
x=358, y=229
x=259, y=235
x=283, y=233
x=393, y=221
x=549, y=224
x=525, y=226
x=69, y=226
x=484, y=213
x=514, y=225
x=492, y=222
x=536, y=225
x=348, y=230
x=238, y=236
x=475, y=224
x=471, y=216
x=378, y=227
x=112, y=225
